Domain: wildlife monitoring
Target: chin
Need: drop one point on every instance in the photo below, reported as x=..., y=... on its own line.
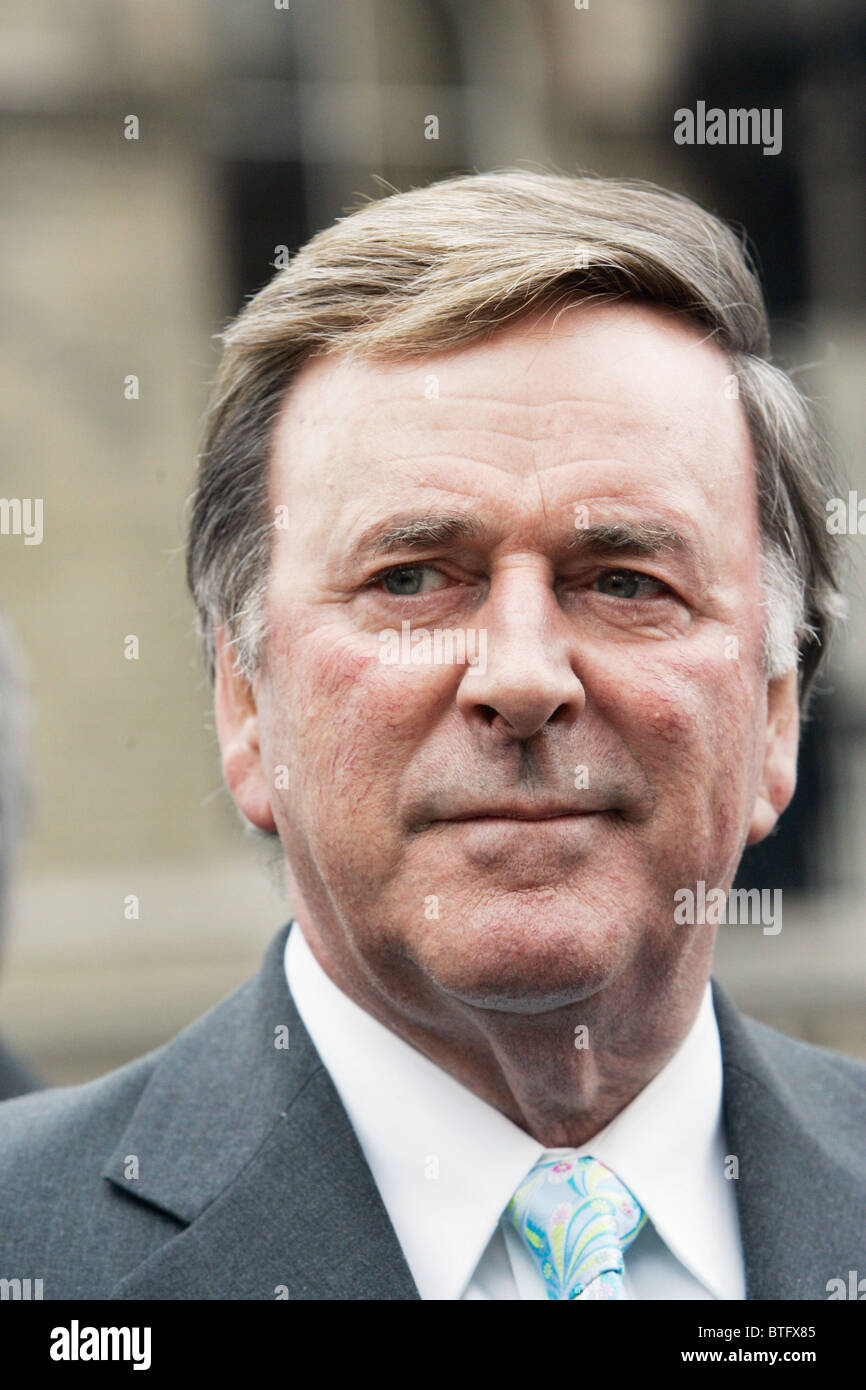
x=530, y=953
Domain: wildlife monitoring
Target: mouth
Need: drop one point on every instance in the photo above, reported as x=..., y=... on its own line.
x=525, y=813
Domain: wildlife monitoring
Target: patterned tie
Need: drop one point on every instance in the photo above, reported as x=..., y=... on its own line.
x=576, y=1218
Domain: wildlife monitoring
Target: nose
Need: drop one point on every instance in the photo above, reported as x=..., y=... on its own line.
x=528, y=678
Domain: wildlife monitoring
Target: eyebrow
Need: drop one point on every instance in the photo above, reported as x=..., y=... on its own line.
x=414, y=533
x=646, y=538
x=418, y=533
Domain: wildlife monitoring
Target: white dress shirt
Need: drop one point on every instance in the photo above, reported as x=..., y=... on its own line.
x=446, y=1163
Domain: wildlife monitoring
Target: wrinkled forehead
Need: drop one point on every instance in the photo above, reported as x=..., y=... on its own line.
x=617, y=397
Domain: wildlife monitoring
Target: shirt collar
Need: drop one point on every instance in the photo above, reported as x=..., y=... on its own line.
x=446, y=1163
x=668, y=1146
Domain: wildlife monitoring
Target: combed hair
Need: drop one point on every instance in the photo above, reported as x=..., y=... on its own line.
x=436, y=267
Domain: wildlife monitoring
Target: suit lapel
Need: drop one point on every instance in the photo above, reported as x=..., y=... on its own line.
x=248, y=1144
x=801, y=1198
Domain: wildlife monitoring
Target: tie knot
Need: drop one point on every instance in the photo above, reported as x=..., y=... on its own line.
x=576, y=1218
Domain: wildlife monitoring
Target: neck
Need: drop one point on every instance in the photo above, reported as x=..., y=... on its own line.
x=561, y=1075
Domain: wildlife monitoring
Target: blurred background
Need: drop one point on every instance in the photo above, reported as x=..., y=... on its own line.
x=122, y=258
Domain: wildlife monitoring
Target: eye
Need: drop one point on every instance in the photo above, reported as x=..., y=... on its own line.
x=628, y=584
x=404, y=581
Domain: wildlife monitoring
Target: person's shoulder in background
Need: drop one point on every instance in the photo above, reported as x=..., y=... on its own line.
x=15, y=1078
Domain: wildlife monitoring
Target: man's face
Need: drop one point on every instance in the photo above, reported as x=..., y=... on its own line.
x=577, y=499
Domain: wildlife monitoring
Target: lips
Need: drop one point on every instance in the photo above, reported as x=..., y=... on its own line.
x=523, y=812
x=452, y=806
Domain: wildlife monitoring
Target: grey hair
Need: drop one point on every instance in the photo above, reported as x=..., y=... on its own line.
x=14, y=787
x=436, y=267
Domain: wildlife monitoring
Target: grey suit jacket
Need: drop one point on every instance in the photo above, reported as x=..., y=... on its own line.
x=223, y=1166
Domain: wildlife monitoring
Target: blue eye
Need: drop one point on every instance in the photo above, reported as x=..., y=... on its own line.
x=404, y=581
x=627, y=584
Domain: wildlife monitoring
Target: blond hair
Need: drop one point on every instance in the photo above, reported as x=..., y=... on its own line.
x=434, y=268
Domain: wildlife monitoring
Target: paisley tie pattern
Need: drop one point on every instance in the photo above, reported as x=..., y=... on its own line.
x=576, y=1218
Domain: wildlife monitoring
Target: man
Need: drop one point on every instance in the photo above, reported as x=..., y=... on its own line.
x=15, y=1077
x=509, y=555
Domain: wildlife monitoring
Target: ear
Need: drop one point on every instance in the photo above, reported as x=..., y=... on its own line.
x=779, y=773
x=238, y=732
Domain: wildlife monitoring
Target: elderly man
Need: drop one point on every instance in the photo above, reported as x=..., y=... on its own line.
x=509, y=555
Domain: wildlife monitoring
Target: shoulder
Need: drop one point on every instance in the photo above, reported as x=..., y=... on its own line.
x=825, y=1088
x=76, y=1126
x=95, y=1178
x=76, y=1120
x=801, y=1060
x=57, y=1208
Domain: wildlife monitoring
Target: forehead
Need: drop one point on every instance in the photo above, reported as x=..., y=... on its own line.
x=607, y=400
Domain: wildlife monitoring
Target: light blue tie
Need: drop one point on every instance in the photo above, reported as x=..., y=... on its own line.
x=576, y=1218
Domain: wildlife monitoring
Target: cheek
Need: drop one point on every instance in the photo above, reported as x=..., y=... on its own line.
x=691, y=726
x=691, y=702
x=345, y=724
x=665, y=718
